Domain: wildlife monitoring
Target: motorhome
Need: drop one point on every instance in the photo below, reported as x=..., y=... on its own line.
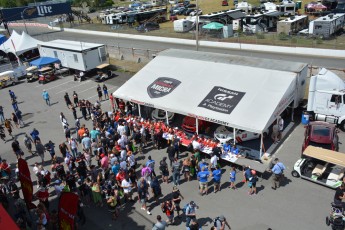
x=293, y=24
x=263, y=22
x=287, y=8
x=159, y=15
x=183, y=25
x=327, y=26
x=269, y=6
x=326, y=99
x=244, y=6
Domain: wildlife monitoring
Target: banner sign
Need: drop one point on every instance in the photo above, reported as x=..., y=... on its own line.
x=68, y=207
x=25, y=182
x=221, y=100
x=162, y=86
x=29, y=12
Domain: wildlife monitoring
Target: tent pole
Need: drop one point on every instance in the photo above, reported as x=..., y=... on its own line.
x=234, y=131
x=261, y=143
x=292, y=113
x=167, y=117
x=197, y=126
x=139, y=110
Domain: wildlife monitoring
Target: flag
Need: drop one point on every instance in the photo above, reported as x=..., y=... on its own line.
x=26, y=182
x=68, y=207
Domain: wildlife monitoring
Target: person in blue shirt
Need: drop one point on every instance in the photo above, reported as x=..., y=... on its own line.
x=234, y=150
x=246, y=173
x=203, y=164
x=217, y=174
x=151, y=164
x=232, y=178
x=203, y=180
x=227, y=147
x=46, y=97
x=277, y=170
x=115, y=168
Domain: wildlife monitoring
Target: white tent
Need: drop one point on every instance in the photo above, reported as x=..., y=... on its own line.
x=14, y=39
x=239, y=92
x=26, y=43
x=18, y=44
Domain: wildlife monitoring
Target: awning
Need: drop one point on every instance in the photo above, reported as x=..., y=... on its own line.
x=102, y=66
x=43, y=61
x=326, y=155
x=229, y=90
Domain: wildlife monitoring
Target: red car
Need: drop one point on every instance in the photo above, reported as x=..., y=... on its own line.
x=189, y=125
x=321, y=134
x=46, y=74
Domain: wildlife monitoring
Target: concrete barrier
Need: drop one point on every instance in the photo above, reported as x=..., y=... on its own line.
x=226, y=45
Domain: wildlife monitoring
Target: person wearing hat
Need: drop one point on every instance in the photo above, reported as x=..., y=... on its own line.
x=220, y=223
x=190, y=213
x=46, y=97
x=252, y=182
x=86, y=142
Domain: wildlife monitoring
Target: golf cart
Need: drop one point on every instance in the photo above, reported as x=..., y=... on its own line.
x=104, y=72
x=32, y=74
x=46, y=74
x=322, y=166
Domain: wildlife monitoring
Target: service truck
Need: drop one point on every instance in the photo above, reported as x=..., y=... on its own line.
x=326, y=100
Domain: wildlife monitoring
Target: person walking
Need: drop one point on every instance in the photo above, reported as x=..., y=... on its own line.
x=73, y=146
x=105, y=92
x=67, y=100
x=160, y=224
x=20, y=118
x=163, y=167
x=2, y=133
x=40, y=150
x=112, y=104
x=277, y=170
x=63, y=120
x=203, y=180
x=190, y=213
x=99, y=92
x=15, y=120
x=8, y=126
x=46, y=97
x=75, y=99
x=74, y=111
x=151, y=164
x=12, y=95
x=220, y=223
x=28, y=143
x=176, y=171
x=176, y=199
x=142, y=196
x=168, y=208
x=252, y=183
x=232, y=178
x=14, y=105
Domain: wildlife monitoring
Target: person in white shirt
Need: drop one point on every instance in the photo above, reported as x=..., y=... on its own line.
x=121, y=129
x=196, y=145
x=213, y=161
x=126, y=184
x=123, y=165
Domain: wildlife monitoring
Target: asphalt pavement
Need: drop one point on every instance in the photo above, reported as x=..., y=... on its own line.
x=298, y=204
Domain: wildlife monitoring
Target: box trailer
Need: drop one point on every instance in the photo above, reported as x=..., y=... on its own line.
x=293, y=24
x=183, y=25
x=327, y=26
x=76, y=55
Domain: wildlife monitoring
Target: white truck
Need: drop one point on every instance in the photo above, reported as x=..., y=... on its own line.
x=326, y=100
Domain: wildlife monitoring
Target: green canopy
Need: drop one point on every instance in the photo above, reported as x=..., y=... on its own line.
x=213, y=26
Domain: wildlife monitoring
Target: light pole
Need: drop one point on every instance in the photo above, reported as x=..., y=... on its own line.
x=197, y=25
x=26, y=29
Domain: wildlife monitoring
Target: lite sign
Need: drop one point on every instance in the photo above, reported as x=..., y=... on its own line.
x=29, y=12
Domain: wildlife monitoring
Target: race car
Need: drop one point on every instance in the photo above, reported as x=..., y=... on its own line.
x=224, y=134
x=160, y=115
x=189, y=125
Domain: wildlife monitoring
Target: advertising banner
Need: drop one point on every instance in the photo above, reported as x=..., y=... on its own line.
x=29, y=12
x=68, y=207
x=25, y=182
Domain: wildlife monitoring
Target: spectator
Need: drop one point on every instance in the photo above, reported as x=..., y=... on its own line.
x=232, y=178
x=168, y=209
x=46, y=97
x=142, y=197
x=151, y=164
x=278, y=171
x=160, y=224
x=186, y=168
x=217, y=174
x=252, y=183
x=220, y=223
x=176, y=170
x=203, y=181
x=156, y=188
x=176, y=199
x=190, y=213
x=213, y=162
x=163, y=167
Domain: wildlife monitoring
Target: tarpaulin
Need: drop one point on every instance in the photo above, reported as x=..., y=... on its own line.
x=26, y=182
x=68, y=207
x=6, y=221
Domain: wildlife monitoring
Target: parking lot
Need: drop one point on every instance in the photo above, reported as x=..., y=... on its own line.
x=298, y=204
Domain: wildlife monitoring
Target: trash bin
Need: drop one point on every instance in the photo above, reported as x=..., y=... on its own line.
x=305, y=118
x=298, y=5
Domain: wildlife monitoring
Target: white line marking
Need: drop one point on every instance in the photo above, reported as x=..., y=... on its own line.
x=65, y=90
x=87, y=89
x=55, y=85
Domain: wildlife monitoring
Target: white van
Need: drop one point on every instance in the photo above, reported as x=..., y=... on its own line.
x=322, y=166
x=7, y=78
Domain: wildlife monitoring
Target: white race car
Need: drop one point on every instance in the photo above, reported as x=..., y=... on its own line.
x=224, y=134
x=160, y=115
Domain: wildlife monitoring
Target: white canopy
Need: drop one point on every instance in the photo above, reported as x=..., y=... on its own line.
x=19, y=44
x=240, y=92
x=7, y=46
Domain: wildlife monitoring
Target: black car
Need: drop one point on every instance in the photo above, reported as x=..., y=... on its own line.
x=188, y=11
x=145, y=27
x=191, y=6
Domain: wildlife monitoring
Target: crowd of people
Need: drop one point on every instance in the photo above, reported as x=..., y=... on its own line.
x=100, y=163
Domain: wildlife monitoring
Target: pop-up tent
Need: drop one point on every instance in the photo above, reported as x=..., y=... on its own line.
x=239, y=92
x=43, y=61
x=2, y=38
x=9, y=45
x=19, y=44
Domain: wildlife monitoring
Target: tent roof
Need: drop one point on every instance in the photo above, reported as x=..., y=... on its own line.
x=326, y=155
x=70, y=45
x=7, y=46
x=26, y=43
x=42, y=61
x=235, y=91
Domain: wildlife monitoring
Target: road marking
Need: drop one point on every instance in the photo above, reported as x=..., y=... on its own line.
x=55, y=85
x=65, y=90
x=87, y=89
x=115, y=87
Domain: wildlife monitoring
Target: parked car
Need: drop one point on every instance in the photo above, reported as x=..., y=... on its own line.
x=224, y=134
x=191, y=6
x=322, y=166
x=32, y=74
x=46, y=74
x=321, y=134
x=160, y=115
x=179, y=10
x=173, y=17
x=194, y=13
x=189, y=125
x=188, y=11
x=145, y=27
x=225, y=3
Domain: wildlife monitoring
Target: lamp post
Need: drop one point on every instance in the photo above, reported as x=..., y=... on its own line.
x=22, y=14
x=197, y=25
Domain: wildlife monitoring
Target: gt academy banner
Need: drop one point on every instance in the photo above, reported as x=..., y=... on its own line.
x=26, y=182
x=68, y=207
x=221, y=100
x=162, y=86
x=29, y=12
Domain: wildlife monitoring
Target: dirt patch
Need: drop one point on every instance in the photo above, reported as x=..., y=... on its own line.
x=127, y=66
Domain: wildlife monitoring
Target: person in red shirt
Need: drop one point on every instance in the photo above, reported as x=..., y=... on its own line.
x=5, y=168
x=120, y=176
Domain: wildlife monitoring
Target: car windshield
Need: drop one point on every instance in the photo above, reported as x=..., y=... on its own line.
x=319, y=130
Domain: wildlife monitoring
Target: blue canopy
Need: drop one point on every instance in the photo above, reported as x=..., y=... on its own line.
x=43, y=61
x=2, y=38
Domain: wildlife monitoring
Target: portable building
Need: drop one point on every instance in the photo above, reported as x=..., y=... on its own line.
x=293, y=24
x=327, y=26
x=183, y=25
x=76, y=55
